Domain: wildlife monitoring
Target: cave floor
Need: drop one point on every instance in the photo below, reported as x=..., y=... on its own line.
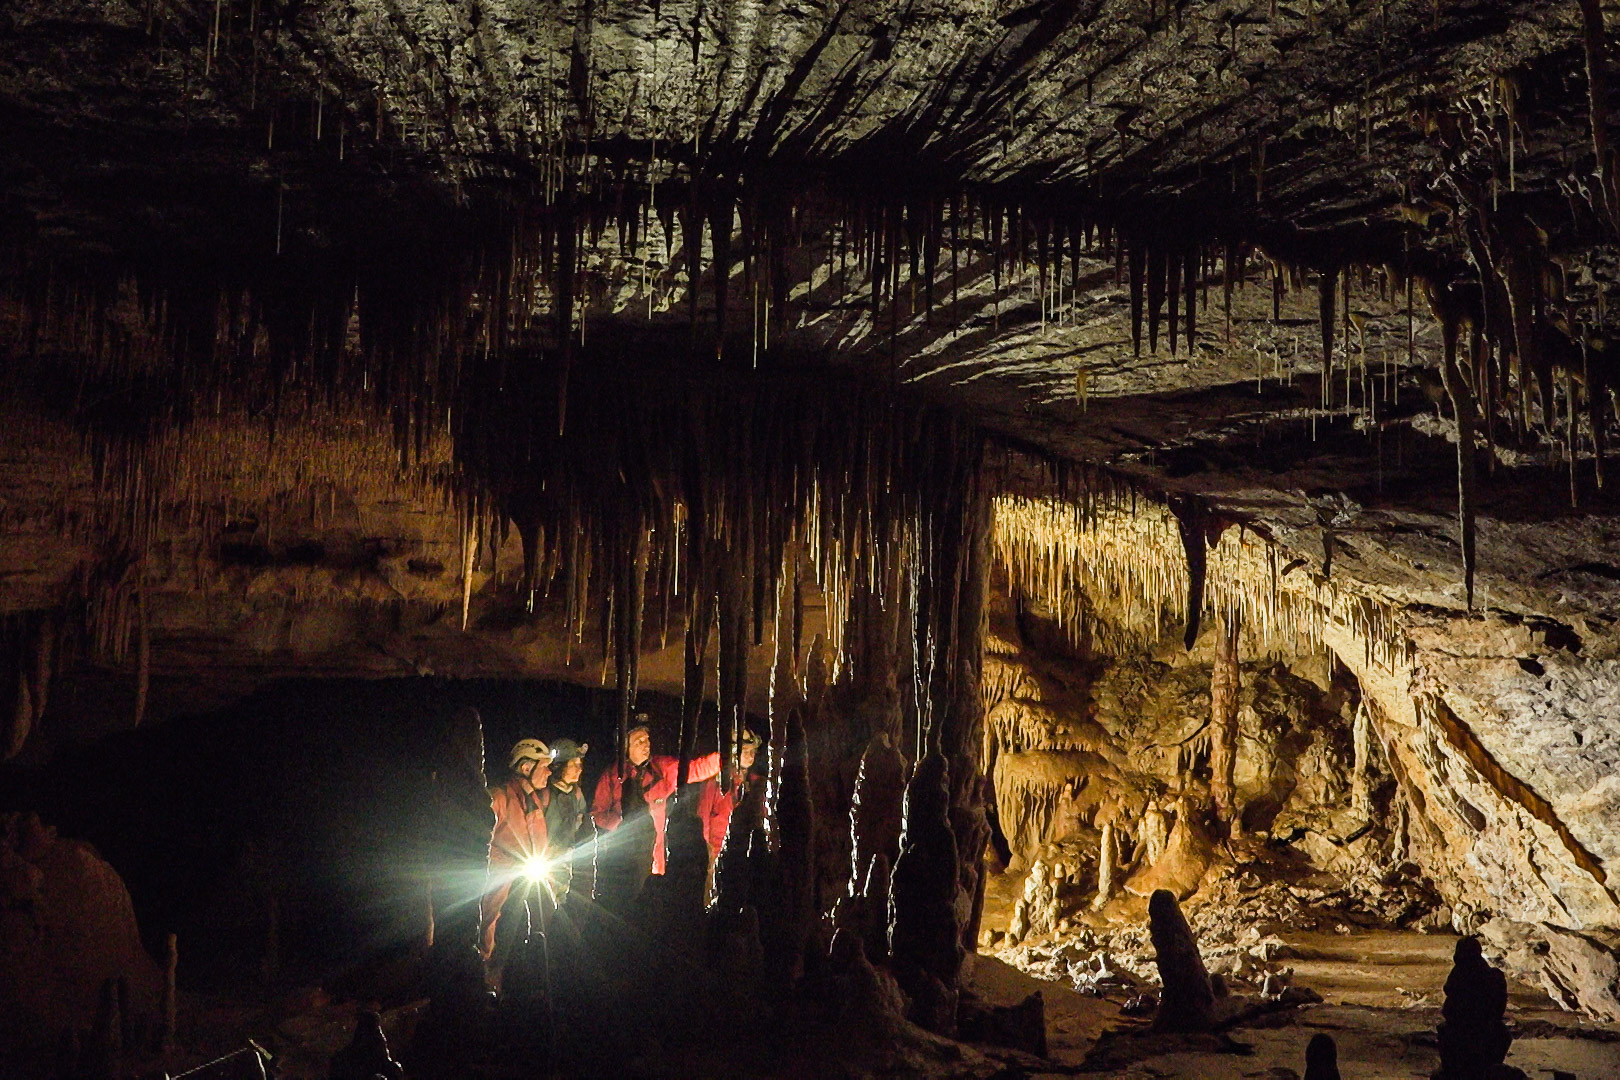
x=1380, y=996
x=1381, y=992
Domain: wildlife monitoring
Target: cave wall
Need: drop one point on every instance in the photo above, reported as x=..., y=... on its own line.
x=1504, y=770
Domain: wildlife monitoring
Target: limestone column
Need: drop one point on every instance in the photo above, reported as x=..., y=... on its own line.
x=962, y=734
x=1223, y=722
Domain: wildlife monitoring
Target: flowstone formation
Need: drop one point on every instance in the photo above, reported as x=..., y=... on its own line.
x=1104, y=777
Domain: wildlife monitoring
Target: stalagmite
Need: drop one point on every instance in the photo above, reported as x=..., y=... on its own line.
x=1321, y=1058
x=1185, y=1000
x=1018, y=928
x=1155, y=833
x=455, y=977
x=1105, y=865
x=105, y=1048
x=1361, y=739
x=1041, y=899
x=367, y=1056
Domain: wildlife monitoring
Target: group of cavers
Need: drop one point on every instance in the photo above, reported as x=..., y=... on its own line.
x=542, y=819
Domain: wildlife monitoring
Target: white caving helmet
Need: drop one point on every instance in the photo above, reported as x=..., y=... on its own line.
x=529, y=750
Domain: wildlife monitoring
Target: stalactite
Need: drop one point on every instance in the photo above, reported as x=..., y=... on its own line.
x=1157, y=271
x=143, y=650
x=1326, y=287
x=1595, y=41
x=1190, y=521
x=1228, y=271
x=28, y=643
x=1173, y=295
x=1190, y=269
x=1571, y=437
x=1597, y=394
x=1138, y=271
x=1464, y=409
x=1521, y=298
x=700, y=617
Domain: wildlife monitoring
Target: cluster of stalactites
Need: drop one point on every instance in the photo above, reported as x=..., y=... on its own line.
x=398, y=319
x=1123, y=561
x=720, y=510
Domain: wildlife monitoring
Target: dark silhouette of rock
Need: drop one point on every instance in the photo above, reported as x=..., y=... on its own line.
x=1473, y=1035
x=736, y=953
x=67, y=936
x=863, y=990
x=456, y=1020
x=788, y=908
x=526, y=1024
x=875, y=811
x=1321, y=1058
x=1186, y=1002
x=865, y=911
x=924, y=935
x=678, y=918
x=1021, y=1026
x=876, y=896
x=367, y=1055
x=106, y=1038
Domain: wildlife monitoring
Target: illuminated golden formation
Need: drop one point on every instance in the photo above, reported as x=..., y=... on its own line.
x=1119, y=561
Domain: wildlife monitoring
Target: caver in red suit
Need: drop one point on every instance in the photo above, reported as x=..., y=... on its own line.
x=652, y=782
x=715, y=806
x=520, y=828
x=716, y=803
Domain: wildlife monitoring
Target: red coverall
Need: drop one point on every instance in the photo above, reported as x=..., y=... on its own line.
x=520, y=834
x=714, y=811
x=657, y=779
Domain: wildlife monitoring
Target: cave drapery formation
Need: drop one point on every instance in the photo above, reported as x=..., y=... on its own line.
x=773, y=326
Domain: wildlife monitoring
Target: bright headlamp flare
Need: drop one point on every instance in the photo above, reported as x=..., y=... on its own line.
x=536, y=870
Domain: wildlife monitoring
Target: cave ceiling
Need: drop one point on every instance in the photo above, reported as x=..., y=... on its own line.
x=1013, y=210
